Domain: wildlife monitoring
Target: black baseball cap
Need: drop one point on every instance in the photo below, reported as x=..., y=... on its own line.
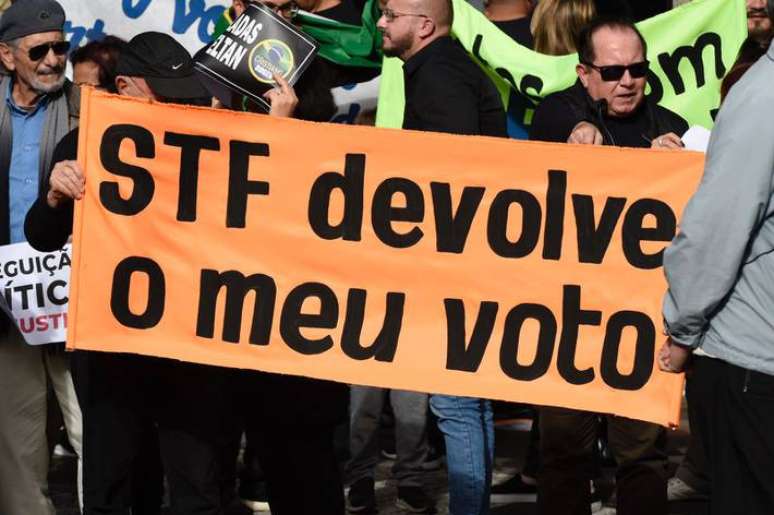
x=164, y=63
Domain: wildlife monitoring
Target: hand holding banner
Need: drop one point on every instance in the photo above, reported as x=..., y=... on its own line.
x=463, y=265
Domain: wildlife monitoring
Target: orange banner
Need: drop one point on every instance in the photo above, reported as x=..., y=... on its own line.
x=447, y=264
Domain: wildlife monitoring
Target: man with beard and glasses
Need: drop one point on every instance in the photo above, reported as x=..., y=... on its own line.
x=447, y=92
x=39, y=107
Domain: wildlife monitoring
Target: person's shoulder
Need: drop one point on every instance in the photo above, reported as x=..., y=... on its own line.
x=671, y=121
x=757, y=80
x=67, y=147
x=561, y=101
x=557, y=114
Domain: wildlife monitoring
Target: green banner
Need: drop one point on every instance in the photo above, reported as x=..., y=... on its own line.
x=690, y=49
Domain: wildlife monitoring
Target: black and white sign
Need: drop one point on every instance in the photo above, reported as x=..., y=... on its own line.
x=245, y=58
x=35, y=291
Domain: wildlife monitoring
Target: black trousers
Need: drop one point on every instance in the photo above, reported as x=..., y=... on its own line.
x=737, y=417
x=694, y=469
x=289, y=423
x=126, y=401
x=567, y=439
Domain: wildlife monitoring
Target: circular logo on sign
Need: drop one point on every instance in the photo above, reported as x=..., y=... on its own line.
x=271, y=56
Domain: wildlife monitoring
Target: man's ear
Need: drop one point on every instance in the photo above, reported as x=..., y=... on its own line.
x=121, y=84
x=6, y=56
x=583, y=74
x=427, y=28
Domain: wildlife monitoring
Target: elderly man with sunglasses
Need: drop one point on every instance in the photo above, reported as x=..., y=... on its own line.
x=39, y=106
x=607, y=106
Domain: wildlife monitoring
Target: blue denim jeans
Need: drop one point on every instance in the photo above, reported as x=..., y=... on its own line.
x=468, y=430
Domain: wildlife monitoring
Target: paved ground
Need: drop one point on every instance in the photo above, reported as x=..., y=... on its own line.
x=510, y=448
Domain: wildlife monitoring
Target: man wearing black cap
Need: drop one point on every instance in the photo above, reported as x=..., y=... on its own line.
x=123, y=396
x=153, y=67
x=38, y=107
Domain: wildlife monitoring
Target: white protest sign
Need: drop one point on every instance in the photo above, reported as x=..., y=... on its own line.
x=353, y=99
x=35, y=289
x=191, y=22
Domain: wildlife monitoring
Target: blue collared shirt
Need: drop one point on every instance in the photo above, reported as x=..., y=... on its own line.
x=23, y=175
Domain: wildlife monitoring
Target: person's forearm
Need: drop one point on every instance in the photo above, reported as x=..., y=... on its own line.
x=47, y=229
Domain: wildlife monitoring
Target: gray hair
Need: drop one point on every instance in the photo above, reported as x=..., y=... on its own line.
x=13, y=44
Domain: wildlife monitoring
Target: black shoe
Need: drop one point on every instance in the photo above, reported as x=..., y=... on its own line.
x=361, y=497
x=414, y=500
x=513, y=490
x=388, y=449
x=254, y=496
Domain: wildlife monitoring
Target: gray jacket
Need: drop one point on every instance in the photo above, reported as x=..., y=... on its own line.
x=720, y=267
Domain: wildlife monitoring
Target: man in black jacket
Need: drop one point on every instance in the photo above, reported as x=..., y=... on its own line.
x=608, y=106
x=292, y=418
x=447, y=92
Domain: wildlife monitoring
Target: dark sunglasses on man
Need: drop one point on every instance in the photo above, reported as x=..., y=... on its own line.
x=38, y=52
x=614, y=72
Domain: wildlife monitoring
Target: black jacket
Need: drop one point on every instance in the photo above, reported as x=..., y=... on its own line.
x=560, y=112
x=447, y=92
x=47, y=229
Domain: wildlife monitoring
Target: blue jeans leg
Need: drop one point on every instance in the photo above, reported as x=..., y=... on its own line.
x=468, y=430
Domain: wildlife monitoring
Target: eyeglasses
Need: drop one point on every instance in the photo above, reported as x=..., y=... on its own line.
x=38, y=52
x=391, y=15
x=287, y=9
x=616, y=71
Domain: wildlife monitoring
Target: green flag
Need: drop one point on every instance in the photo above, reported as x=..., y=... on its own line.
x=690, y=49
x=222, y=24
x=341, y=43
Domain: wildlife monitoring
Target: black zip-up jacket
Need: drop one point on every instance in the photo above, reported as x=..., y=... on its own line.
x=560, y=112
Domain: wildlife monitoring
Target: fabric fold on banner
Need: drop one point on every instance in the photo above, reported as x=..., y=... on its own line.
x=462, y=265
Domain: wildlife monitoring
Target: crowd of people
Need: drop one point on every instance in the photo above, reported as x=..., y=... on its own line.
x=140, y=425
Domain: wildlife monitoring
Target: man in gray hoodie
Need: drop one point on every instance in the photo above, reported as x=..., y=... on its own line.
x=720, y=270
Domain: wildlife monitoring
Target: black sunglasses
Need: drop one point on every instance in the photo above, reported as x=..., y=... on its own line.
x=38, y=52
x=616, y=71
